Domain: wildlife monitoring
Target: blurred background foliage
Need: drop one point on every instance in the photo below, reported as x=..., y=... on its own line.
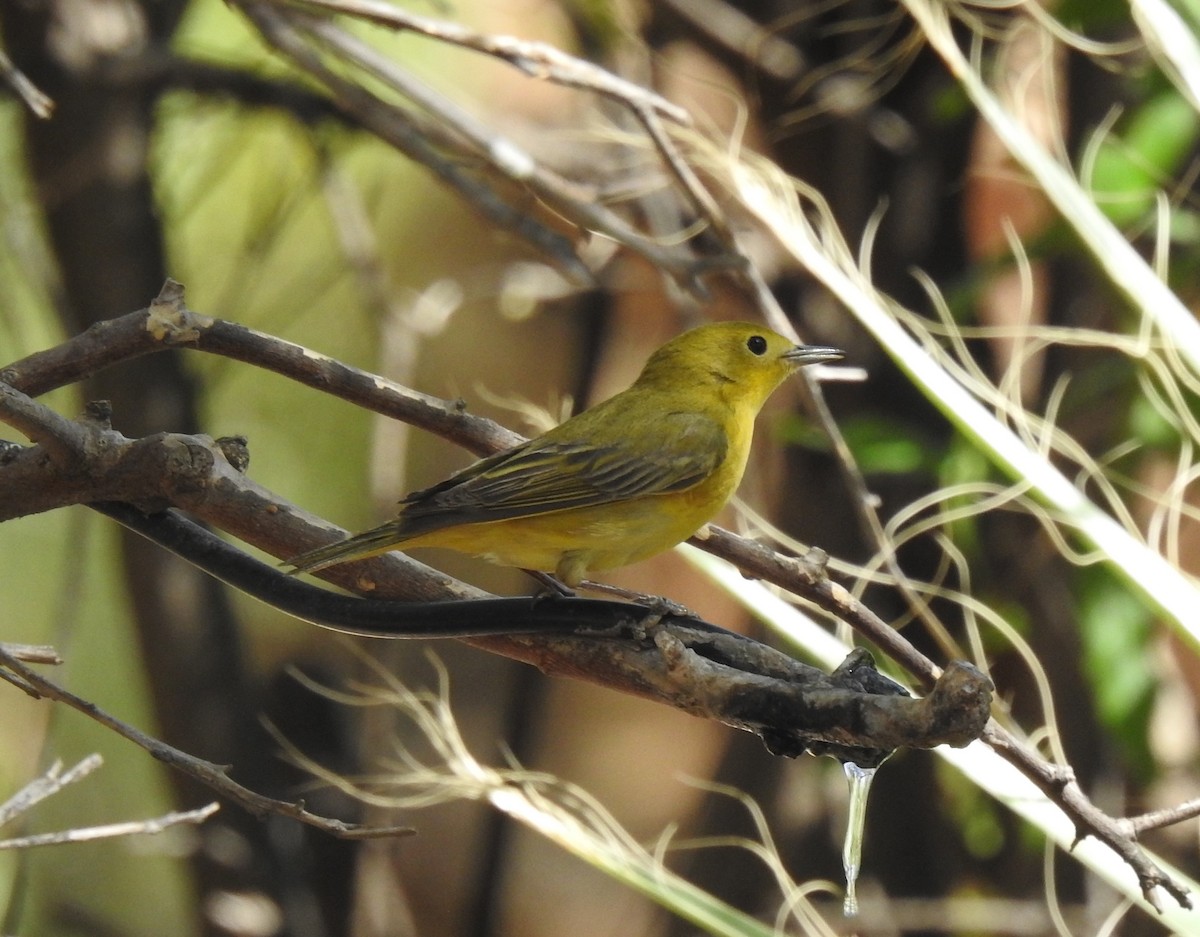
x=288, y=218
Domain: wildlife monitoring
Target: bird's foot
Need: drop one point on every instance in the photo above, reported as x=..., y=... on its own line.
x=658, y=605
x=551, y=587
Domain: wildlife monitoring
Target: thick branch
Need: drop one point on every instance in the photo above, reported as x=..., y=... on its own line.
x=684, y=663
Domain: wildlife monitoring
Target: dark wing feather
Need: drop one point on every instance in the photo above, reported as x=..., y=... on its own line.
x=549, y=474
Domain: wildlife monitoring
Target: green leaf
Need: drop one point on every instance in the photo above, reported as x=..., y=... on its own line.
x=886, y=447
x=1115, y=626
x=1132, y=167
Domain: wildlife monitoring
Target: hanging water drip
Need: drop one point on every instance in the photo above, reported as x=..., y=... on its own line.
x=860, y=785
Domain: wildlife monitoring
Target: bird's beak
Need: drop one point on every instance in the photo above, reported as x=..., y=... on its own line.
x=813, y=354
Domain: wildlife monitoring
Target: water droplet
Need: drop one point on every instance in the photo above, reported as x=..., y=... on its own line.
x=860, y=785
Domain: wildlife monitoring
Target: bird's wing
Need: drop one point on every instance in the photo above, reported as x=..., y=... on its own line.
x=552, y=474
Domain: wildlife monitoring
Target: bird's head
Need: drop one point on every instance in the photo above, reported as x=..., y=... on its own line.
x=741, y=361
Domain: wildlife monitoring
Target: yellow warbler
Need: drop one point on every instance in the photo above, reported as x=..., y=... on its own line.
x=627, y=479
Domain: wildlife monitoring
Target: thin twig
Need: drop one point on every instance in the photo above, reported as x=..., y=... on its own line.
x=1157, y=819
x=37, y=102
x=455, y=131
x=32, y=653
x=578, y=204
x=53, y=781
x=398, y=128
x=726, y=25
x=50, y=783
x=168, y=323
x=213, y=776
x=113, y=830
x=806, y=577
x=1059, y=785
x=537, y=59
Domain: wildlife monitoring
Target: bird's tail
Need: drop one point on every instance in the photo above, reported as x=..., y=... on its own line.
x=369, y=543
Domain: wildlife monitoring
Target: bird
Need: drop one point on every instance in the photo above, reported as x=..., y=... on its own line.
x=617, y=483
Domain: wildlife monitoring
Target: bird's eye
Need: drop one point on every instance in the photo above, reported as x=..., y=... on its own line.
x=757, y=344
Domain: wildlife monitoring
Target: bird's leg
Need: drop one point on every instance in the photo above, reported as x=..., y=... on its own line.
x=658, y=604
x=551, y=586
x=656, y=607
x=554, y=588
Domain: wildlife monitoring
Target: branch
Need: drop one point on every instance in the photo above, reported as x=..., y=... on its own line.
x=448, y=140
x=112, y=830
x=1157, y=819
x=169, y=323
x=806, y=577
x=53, y=781
x=536, y=59
x=32, y=654
x=49, y=784
x=685, y=663
x=1058, y=783
x=421, y=141
x=37, y=102
x=212, y=776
